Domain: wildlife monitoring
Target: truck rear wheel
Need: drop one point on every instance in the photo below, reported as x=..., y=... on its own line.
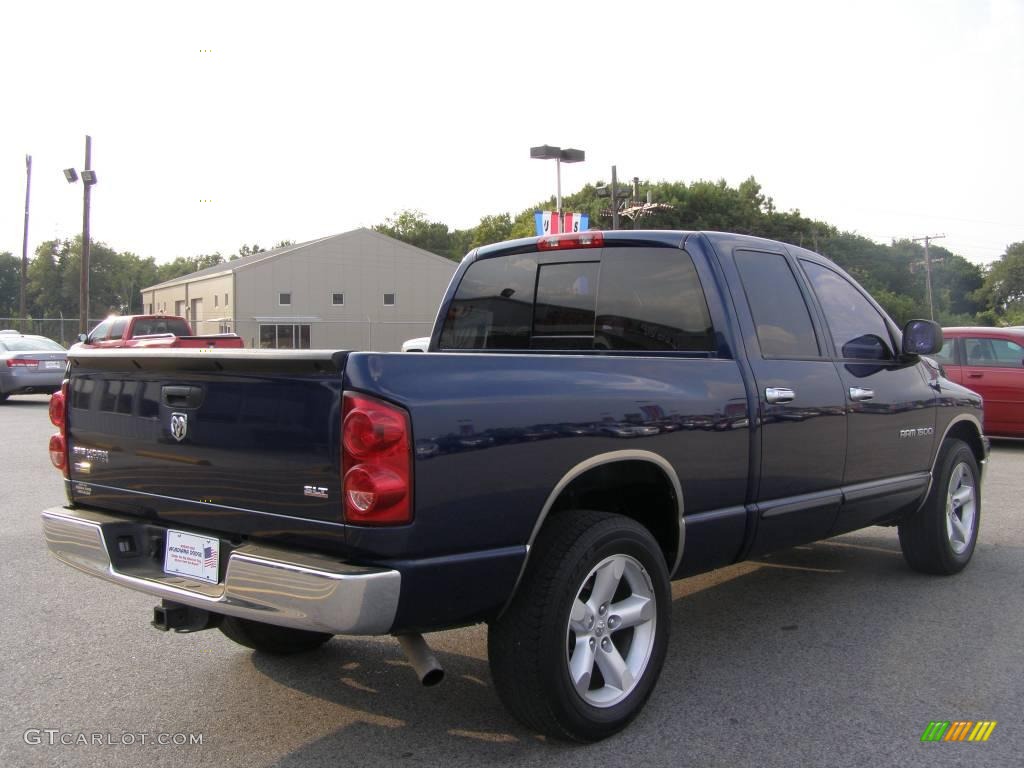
x=940, y=537
x=578, y=651
x=270, y=638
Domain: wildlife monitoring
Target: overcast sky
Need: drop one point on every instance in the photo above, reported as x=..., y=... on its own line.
x=221, y=123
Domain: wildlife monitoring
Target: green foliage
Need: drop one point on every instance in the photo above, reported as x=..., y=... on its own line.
x=185, y=265
x=413, y=227
x=10, y=284
x=963, y=293
x=54, y=279
x=249, y=250
x=894, y=273
x=491, y=229
x=1003, y=288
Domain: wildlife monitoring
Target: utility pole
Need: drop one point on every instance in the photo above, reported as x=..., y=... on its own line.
x=83, y=293
x=615, y=200
x=928, y=269
x=24, y=244
x=612, y=192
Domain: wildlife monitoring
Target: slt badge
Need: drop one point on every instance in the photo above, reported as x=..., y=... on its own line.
x=179, y=426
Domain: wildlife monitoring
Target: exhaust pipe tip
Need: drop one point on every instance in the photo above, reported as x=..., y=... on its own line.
x=424, y=663
x=432, y=678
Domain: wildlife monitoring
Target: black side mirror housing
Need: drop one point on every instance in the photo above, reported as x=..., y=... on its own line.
x=922, y=337
x=82, y=337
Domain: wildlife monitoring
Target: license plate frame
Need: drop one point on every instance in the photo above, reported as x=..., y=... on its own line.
x=192, y=556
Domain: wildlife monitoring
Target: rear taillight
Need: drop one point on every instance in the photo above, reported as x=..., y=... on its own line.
x=59, y=418
x=59, y=453
x=58, y=407
x=376, y=462
x=571, y=240
x=22, y=362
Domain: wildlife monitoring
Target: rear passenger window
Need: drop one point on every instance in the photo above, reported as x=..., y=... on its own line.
x=858, y=330
x=636, y=299
x=781, y=317
x=493, y=307
x=998, y=353
x=652, y=299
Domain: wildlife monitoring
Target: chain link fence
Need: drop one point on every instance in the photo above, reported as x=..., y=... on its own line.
x=63, y=330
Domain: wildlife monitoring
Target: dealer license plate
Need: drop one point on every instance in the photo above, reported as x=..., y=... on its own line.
x=52, y=364
x=197, y=557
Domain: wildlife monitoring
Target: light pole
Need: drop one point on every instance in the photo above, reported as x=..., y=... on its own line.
x=24, y=246
x=88, y=179
x=559, y=155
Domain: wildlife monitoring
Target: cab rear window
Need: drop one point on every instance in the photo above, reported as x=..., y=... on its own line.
x=633, y=299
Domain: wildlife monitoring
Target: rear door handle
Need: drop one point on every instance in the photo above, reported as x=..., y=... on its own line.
x=975, y=375
x=779, y=394
x=861, y=393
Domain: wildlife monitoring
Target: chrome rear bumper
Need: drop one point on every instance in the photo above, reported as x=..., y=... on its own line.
x=263, y=583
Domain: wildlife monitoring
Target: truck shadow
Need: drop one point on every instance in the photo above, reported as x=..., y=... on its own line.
x=773, y=629
x=26, y=401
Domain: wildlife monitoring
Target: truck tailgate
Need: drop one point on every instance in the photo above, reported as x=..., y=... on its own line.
x=218, y=439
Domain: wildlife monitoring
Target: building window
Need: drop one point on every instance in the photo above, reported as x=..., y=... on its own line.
x=338, y=299
x=149, y=309
x=284, y=299
x=389, y=299
x=284, y=337
x=225, y=299
x=216, y=299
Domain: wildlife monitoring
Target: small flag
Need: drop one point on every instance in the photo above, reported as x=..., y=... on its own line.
x=209, y=559
x=547, y=222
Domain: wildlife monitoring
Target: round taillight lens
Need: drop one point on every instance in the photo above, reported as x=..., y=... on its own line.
x=368, y=432
x=371, y=489
x=57, y=409
x=58, y=452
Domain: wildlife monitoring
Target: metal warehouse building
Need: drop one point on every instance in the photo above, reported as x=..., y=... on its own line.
x=358, y=290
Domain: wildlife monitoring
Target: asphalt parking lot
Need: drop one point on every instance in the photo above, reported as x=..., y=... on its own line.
x=834, y=654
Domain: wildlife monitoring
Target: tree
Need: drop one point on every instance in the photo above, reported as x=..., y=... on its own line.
x=1003, y=287
x=10, y=285
x=186, y=265
x=412, y=227
x=247, y=250
x=491, y=229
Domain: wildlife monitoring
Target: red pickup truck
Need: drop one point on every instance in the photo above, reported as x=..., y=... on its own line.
x=152, y=331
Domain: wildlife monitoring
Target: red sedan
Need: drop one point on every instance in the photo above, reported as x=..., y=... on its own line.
x=991, y=362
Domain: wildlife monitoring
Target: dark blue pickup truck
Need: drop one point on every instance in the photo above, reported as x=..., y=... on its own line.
x=599, y=413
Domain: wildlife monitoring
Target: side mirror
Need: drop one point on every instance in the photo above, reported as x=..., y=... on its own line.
x=82, y=337
x=922, y=337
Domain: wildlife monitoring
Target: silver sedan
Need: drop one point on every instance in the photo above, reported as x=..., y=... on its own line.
x=30, y=365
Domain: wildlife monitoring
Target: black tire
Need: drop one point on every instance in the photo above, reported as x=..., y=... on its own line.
x=940, y=537
x=270, y=638
x=3, y=397
x=534, y=645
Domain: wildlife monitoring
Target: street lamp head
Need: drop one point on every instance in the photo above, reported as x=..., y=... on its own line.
x=71, y=175
x=573, y=156
x=545, y=152
x=88, y=177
